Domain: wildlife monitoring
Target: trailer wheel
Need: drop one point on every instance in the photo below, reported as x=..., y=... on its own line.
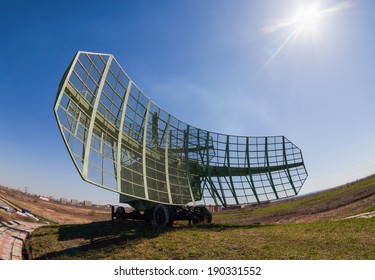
x=201, y=214
x=163, y=215
x=195, y=218
x=120, y=213
x=208, y=217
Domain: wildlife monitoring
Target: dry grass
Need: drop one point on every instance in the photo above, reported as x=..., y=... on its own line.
x=332, y=204
x=5, y=216
x=302, y=228
x=56, y=212
x=346, y=239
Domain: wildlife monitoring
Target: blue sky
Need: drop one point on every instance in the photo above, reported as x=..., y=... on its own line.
x=235, y=67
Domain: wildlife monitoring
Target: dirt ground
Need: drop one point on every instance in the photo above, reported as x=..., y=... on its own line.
x=54, y=211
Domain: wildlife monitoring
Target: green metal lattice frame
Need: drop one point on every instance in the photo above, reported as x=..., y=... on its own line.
x=120, y=140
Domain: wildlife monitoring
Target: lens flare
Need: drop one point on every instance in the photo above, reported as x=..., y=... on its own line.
x=307, y=19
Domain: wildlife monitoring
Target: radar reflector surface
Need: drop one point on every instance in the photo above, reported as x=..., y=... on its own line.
x=120, y=140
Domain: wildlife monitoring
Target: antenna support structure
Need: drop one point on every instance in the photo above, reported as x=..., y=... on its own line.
x=167, y=170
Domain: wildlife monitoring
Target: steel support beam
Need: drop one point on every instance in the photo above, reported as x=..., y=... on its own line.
x=287, y=168
x=231, y=185
x=144, y=160
x=120, y=134
x=268, y=166
x=93, y=117
x=251, y=182
x=166, y=160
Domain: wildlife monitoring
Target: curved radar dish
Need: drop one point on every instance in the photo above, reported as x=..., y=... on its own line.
x=120, y=140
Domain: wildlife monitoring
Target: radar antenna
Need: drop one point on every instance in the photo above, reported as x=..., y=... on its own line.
x=120, y=140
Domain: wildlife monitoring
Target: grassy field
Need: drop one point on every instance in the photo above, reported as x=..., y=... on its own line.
x=309, y=227
x=351, y=199
x=305, y=227
x=344, y=239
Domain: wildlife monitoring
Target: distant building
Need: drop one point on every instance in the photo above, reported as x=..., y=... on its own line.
x=87, y=203
x=43, y=198
x=74, y=201
x=215, y=208
x=63, y=201
x=237, y=206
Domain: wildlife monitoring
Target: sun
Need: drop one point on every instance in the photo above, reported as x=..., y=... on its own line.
x=307, y=18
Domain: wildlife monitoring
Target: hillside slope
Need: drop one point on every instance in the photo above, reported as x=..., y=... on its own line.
x=337, y=203
x=51, y=211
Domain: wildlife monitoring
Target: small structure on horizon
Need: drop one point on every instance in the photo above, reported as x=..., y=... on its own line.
x=87, y=203
x=214, y=208
x=74, y=201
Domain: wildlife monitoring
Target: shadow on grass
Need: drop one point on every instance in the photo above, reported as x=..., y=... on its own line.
x=100, y=236
x=221, y=227
x=87, y=241
x=98, y=230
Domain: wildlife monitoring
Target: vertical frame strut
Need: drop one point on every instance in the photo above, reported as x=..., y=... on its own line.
x=93, y=117
x=144, y=160
x=268, y=167
x=119, y=141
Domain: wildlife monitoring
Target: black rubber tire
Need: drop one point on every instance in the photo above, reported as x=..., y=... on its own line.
x=120, y=213
x=195, y=219
x=208, y=217
x=162, y=215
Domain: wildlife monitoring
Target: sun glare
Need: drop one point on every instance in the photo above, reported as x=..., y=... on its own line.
x=307, y=18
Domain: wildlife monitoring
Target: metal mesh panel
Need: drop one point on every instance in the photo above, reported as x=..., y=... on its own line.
x=122, y=141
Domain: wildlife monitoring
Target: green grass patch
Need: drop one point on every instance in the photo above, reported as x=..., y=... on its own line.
x=345, y=239
x=369, y=209
x=235, y=234
x=311, y=204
